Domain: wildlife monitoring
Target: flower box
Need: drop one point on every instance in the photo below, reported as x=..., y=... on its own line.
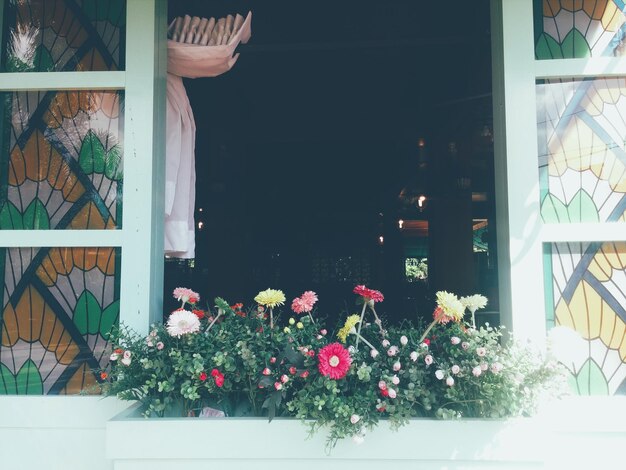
x=583, y=432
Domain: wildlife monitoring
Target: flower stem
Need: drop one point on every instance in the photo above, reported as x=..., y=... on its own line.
x=364, y=340
x=271, y=318
x=430, y=327
x=311, y=317
x=473, y=319
x=378, y=321
x=358, y=333
x=219, y=314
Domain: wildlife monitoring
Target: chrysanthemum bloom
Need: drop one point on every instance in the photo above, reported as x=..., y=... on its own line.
x=455, y=340
x=182, y=322
x=270, y=298
x=496, y=367
x=392, y=351
x=439, y=374
x=186, y=295
x=304, y=303
x=428, y=360
x=334, y=361
x=465, y=345
x=484, y=366
x=481, y=352
x=477, y=371
x=369, y=294
x=449, y=308
x=474, y=302
x=395, y=380
x=160, y=345
x=455, y=369
x=355, y=419
x=347, y=327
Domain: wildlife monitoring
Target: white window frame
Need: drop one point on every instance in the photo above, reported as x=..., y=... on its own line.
x=521, y=231
x=141, y=236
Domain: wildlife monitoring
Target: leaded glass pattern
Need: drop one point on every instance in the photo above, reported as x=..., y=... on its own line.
x=63, y=35
x=586, y=291
x=581, y=128
x=61, y=164
x=58, y=308
x=567, y=29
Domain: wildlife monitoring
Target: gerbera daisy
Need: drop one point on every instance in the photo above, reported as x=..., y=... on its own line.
x=186, y=295
x=369, y=294
x=270, y=298
x=334, y=361
x=182, y=322
x=304, y=303
x=350, y=323
x=449, y=308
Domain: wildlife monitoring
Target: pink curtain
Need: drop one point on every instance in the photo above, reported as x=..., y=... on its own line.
x=190, y=61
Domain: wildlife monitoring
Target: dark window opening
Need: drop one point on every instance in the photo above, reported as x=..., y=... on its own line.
x=351, y=143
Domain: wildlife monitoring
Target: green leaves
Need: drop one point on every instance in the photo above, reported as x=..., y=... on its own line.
x=35, y=217
x=89, y=317
x=27, y=381
x=94, y=158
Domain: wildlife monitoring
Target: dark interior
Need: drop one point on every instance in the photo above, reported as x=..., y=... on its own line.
x=341, y=123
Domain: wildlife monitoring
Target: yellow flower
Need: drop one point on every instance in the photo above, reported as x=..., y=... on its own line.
x=270, y=298
x=350, y=323
x=292, y=321
x=451, y=305
x=300, y=325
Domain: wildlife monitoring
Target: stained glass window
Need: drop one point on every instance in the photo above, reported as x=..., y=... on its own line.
x=585, y=286
x=63, y=35
x=567, y=29
x=61, y=163
x=581, y=128
x=58, y=308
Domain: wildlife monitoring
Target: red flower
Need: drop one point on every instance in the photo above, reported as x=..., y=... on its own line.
x=384, y=392
x=118, y=351
x=103, y=375
x=369, y=294
x=202, y=376
x=292, y=370
x=334, y=361
x=426, y=341
x=381, y=409
x=198, y=313
x=311, y=353
x=304, y=374
x=218, y=377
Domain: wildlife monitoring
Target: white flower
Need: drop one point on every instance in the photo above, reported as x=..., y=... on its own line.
x=424, y=346
x=374, y=353
x=284, y=379
x=397, y=366
x=413, y=356
x=182, y=322
x=455, y=369
x=392, y=393
x=126, y=361
x=404, y=340
x=481, y=352
x=149, y=343
x=428, y=360
x=114, y=357
x=392, y=351
x=496, y=367
x=127, y=354
x=351, y=349
x=465, y=345
x=386, y=343
x=160, y=345
x=477, y=371
x=449, y=381
x=439, y=374
x=382, y=385
x=395, y=380
x=474, y=302
x=355, y=419
x=484, y=366
x=455, y=340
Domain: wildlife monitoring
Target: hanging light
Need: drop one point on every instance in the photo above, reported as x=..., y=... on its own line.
x=400, y=223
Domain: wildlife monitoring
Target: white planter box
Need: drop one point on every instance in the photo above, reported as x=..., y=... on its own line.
x=547, y=441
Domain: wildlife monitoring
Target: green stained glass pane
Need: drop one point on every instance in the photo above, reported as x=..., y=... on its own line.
x=61, y=159
x=568, y=29
x=58, y=309
x=586, y=299
x=581, y=128
x=63, y=35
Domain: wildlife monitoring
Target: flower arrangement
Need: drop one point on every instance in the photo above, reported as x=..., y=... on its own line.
x=249, y=363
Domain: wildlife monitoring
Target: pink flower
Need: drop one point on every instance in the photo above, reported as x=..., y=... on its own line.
x=304, y=374
x=392, y=351
x=484, y=366
x=369, y=294
x=160, y=345
x=465, y=345
x=149, y=343
x=386, y=343
x=186, y=295
x=455, y=340
x=278, y=386
x=114, y=357
x=304, y=303
x=496, y=367
x=397, y=366
x=382, y=385
x=392, y=393
x=284, y=379
x=413, y=356
x=477, y=371
x=439, y=374
x=449, y=381
x=126, y=361
x=293, y=370
x=334, y=361
x=355, y=419
x=374, y=353
x=266, y=371
x=455, y=369
x=395, y=380
x=481, y=352
x=323, y=332
x=272, y=360
x=404, y=340
x=428, y=360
